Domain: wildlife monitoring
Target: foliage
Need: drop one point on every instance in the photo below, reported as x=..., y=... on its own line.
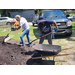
x=5, y=12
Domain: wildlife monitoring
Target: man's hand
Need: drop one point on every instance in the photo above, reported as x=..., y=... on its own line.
x=12, y=28
x=40, y=35
x=56, y=29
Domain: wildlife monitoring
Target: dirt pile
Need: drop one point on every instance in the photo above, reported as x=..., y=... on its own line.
x=12, y=54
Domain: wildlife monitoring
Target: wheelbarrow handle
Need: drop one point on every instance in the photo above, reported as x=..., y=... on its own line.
x=53, y=56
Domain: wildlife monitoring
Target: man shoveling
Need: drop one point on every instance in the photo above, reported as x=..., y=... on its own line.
x=23, y=22
x=45, y=28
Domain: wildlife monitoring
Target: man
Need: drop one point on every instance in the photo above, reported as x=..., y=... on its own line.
x=23, y=22
x=45, y=28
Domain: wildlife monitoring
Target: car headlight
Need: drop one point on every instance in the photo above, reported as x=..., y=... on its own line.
x=69, y=23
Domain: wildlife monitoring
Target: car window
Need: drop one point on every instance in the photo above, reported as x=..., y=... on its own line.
x=4, y=18
x=53, y=13
x=0, y=18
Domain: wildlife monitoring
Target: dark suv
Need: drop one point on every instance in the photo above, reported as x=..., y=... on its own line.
x=64, y=24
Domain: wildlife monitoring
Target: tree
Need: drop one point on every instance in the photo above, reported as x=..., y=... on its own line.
x=5, y=12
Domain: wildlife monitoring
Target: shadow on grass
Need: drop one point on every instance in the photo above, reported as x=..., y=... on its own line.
x=36, y=32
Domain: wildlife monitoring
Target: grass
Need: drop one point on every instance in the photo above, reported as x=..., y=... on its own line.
x=2, y=33
x=15, y=35
x=34, y=33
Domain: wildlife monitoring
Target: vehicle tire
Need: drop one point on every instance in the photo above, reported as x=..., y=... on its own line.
x=33, y=24
x=8, y=23
x=71, y=19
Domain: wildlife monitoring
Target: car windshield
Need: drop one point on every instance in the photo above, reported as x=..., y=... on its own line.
x=53, y=13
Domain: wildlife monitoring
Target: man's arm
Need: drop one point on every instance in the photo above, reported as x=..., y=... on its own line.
x=56, y=29
x=55, y=24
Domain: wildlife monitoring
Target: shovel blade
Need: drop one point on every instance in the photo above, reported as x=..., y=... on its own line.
x=6, y=39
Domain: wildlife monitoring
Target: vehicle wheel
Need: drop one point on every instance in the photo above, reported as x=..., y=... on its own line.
x=8, y=23
x=33, y=24
x=71, y=19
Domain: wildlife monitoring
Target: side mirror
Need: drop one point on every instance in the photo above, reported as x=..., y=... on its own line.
x=67, y=15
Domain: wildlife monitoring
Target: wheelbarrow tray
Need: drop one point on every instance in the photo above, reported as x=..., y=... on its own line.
x=45, y=49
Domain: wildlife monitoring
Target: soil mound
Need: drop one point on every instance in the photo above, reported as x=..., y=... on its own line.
x=12, y=54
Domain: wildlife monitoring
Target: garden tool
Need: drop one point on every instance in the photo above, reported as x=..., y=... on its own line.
x=6, y=38
x=40, y=37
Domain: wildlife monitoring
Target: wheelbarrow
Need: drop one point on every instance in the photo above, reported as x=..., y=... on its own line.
x=49, y=51
x=45, y=49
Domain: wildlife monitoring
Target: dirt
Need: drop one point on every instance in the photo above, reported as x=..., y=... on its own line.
x=5, y=27
x=12, y=54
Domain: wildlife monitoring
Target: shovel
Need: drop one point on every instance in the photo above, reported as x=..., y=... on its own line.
x=6, y=38
x=40, y=37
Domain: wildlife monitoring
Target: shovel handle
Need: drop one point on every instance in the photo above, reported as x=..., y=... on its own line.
x=41, y=37
x=9, y=31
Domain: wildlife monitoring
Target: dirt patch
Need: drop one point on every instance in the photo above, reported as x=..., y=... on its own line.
x=5, y=27
x=12, y=54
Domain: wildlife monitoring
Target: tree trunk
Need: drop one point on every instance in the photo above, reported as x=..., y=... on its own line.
x=6, y=12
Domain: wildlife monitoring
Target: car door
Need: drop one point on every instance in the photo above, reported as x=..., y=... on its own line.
x=1, y=22
x=4, y=21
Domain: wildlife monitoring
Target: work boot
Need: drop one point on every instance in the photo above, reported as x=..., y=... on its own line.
x=22, y=47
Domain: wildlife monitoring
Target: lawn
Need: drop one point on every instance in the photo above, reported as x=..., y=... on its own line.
x=34, y=33
x=15, y=35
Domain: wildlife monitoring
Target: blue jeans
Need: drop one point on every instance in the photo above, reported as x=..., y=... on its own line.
x=25, y=32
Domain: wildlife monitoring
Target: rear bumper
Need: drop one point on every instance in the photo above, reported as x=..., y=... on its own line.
x=64, y=30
